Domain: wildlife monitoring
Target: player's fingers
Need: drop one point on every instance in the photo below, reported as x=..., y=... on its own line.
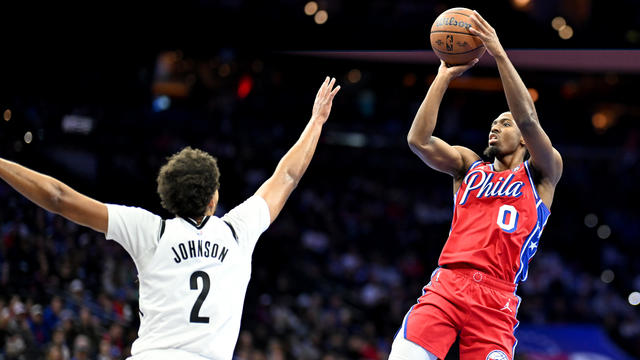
x=331, y=83
x=327, y=88
x=476, y=23
x=470, y=64
x=321, y=90
x=334, y=92
x=485, y=24
x=480, y=18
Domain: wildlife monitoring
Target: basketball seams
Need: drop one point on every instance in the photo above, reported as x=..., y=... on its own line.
x=450, y=41
x=459, y=53
x=453, y=32
x=455, y=12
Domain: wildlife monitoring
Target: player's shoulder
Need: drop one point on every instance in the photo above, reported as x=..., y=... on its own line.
x=253, y=203
x=129, y=208
x=469, y=160
x=131, y=214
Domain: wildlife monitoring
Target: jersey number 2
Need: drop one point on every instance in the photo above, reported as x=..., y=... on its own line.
x=206, y=284
x=507, y=218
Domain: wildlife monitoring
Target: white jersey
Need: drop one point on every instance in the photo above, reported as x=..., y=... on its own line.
x=193, y=278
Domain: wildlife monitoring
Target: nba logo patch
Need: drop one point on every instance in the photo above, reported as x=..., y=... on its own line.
x=497, y=355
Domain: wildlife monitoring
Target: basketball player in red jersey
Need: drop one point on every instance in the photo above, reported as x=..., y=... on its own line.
x=500, y=211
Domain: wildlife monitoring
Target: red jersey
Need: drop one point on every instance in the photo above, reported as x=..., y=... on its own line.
x=497, y=222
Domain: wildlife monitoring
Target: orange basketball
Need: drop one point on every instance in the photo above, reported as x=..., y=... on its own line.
x=451, y=39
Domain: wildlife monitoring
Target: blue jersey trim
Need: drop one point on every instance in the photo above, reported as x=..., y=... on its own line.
x=530, y=246
x=475, y=163
x=406, y=320
x=533, y=186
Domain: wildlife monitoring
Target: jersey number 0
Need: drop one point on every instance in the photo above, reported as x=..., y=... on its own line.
x=508, y=218
x=206, y=284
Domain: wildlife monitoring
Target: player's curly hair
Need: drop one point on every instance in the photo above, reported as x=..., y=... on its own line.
x=187, y=182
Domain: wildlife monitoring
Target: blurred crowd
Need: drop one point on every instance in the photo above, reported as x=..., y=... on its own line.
x=335, y=274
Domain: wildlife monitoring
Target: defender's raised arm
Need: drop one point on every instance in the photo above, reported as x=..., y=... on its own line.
x=276, y=190
x=54, y=196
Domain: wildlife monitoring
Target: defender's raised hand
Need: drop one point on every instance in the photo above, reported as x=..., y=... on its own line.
x=324, y=100
x=486, y=33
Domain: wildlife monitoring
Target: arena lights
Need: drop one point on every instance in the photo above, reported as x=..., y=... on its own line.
x=599, y=120
x=244, y=86
x=634, y=298
x=28, y=137
x=591, y=220
x=602, y=120
x=521, y=4
x=354, y=76
x=7, y=115
x=311, y=8
x=558, y=22
x=321, y=17
x=607, y=276
x=604, y=231
x=565, y=32
x=81, y=124
x=161, y=103
x=560, y=25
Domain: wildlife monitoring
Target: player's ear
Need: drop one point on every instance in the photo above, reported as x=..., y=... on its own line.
x=213, y=203
x=522, y=141
x=214, y=199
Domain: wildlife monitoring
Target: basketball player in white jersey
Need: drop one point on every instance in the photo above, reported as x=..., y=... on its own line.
x=193, y=269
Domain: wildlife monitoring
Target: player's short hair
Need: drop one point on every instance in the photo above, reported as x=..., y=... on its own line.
x=187, y=182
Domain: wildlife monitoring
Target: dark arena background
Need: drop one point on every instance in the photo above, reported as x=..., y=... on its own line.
x=98, y=94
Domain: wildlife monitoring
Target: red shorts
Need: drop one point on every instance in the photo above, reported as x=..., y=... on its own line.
x=479, y=308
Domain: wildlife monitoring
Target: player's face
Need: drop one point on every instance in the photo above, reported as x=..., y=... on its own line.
x=504, y=136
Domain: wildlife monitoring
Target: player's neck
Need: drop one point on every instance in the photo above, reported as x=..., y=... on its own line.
x=507, y=162
x=209, y=212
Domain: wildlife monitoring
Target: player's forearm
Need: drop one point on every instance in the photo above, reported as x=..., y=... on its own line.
x=43, y=190
x=518, y=97
x=425, y=120
x=296, y=161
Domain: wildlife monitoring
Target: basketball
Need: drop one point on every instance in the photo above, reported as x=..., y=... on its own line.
x=451, y=40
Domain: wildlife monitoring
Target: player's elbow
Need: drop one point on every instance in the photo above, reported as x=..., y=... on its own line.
x=419, y=146
x=415, y=142
x=60, y=199
x=292, y=178
x=56, y=200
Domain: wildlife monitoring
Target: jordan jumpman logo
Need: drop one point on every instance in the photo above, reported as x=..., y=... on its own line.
x=506, y=306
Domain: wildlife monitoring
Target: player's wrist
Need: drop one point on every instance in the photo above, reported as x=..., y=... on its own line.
x=446, y=76
x=318, y=120
x=499, y=53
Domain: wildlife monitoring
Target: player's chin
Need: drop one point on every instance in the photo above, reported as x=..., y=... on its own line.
x=491, y=151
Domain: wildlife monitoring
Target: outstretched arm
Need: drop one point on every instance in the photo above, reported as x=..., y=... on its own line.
x=544, y=157
x=54, y=196
x=276, y=190
x=439, y=155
